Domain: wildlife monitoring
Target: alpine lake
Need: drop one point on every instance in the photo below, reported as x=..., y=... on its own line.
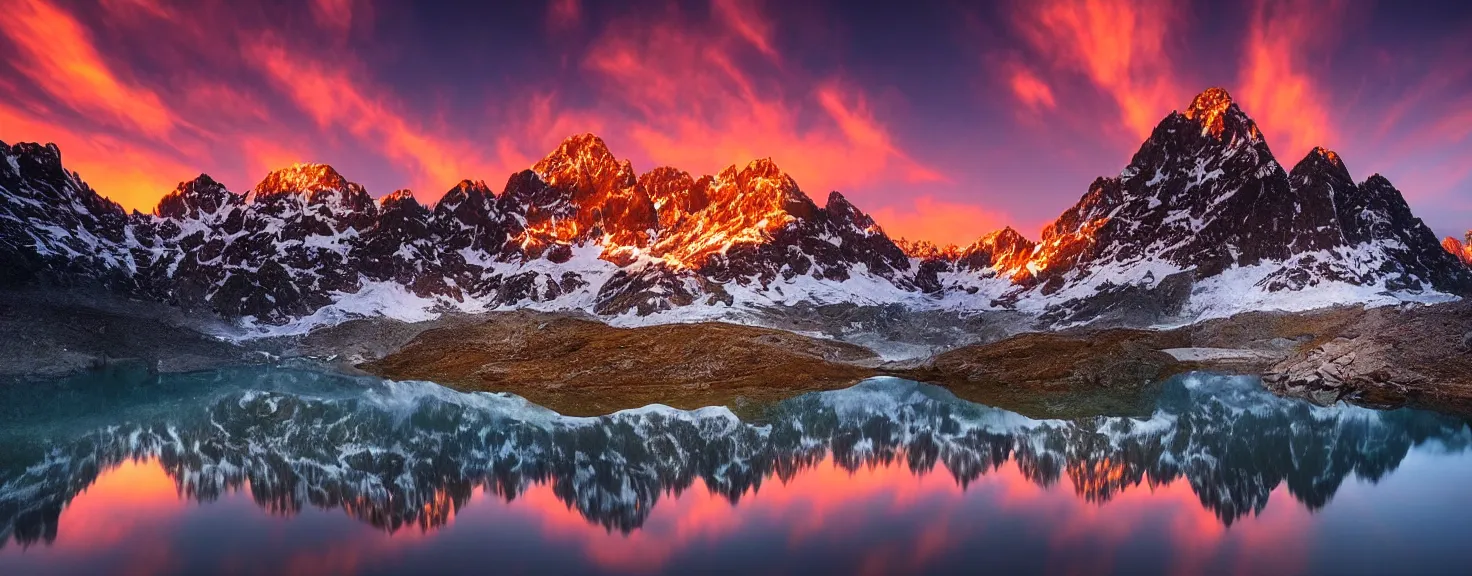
x=298, y=470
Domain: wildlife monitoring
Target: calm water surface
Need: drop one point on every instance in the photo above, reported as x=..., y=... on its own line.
x=284, y=471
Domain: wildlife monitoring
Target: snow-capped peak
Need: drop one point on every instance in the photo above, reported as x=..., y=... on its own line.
x=195, y=198
x=1202, y=199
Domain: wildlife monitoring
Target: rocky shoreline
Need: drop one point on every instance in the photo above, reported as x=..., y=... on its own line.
x=1383, y=357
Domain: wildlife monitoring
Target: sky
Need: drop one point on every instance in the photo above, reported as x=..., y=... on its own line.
x=945, y=120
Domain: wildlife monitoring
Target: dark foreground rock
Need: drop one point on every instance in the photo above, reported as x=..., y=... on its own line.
x=48, y=334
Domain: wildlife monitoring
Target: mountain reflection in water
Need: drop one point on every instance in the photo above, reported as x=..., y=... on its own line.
x=881, y=466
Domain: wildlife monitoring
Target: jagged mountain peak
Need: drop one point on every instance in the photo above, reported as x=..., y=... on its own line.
x=927, y=250
x=578, y=146
x=762, y=177
x=674, y=193
x=1005, y=250
x=1210, y=108
x=313, y=184
x=1006, y=234
x=203, y=181
x=398, y=197
x=467, y=185
x=195, y=198
x=1378, y=181
x=1322, y=160
x=840, y=210
x=1218, y=115
x=1331, y=156
x=764, y=167
x=584, y=163
x=659, y=173
x=467, y=189
x=47, y=154
x=665, y=184
x=301, y=178
x=1213, y=101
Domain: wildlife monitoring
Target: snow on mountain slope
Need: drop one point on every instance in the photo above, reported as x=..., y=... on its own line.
x=51, y=222
x=1205, y=205
x=1203, y=222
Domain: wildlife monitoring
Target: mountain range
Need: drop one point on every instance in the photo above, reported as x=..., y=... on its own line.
x=1202, y=222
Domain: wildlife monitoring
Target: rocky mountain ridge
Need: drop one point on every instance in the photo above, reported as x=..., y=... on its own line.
x=1202, y=221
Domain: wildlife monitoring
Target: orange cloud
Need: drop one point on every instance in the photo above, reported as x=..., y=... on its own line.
x=1031, y=90
x=1119, y=45
x=335, y=99
x=57, y=54
x=748, y=23
x=1278, y=92
x=939, y=221
x=132, y=175
x=682, y=91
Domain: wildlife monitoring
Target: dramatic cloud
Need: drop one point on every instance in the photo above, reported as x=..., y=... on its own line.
x=57, y=55
x=1031, y=90
x=120, y=169
x=1277, y=89
x=1119, y=45
x=332, y=98
x=743, y=19
x=941, y=140
x=691, y=95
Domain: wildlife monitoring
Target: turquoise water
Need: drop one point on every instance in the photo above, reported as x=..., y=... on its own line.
x=275, y=470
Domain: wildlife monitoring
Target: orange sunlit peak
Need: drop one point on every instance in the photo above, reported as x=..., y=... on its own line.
x=577, y=148
x=401, y=195
x=1458, y=248
x=1328, y=154
x=1210, y=108
x=302, y=177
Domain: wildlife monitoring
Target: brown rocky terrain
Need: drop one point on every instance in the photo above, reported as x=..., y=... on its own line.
x=1418, y=356
x=1060, y=374
x=1379, y=357
x=580, y=366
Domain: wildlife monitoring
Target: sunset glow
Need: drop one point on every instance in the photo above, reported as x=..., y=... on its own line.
x=142, y=94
